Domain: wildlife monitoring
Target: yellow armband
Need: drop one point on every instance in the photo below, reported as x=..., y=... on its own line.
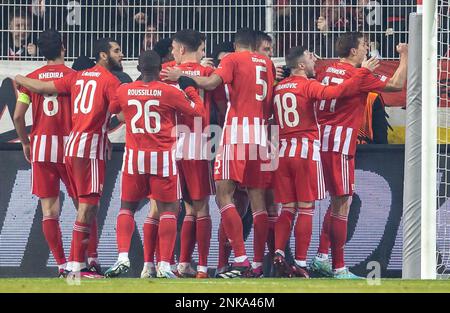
x=23, y=97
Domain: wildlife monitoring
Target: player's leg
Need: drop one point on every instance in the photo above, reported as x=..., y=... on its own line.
x=187, y=241
x=45, y=185
x=203, y=235
x=87, y=176
x=260, y=228
x=151, y=226
x=302, y=233
x=272, y=211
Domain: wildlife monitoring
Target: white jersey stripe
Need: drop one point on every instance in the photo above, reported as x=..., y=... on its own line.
x=283, y=147
x=304, y=151
x=154, y=163
x=65, y=140
x=141, y=162
x=326, y=137
x=234, y=130
x=316, y=150
x=179, y=145
x=165, y=163
x=94, y=144
x=102, y=146
x=67, y=145
x=191, y=153
x=130, y=161
x=92, y=176
x=72, y=144
x=348, y=137
x=54, y=149
x=42, y=145
x=81, y=145
x=263, y=134
x=337, y=139
x=246, y=130
x=257, y=130
x=293, y=147
x=174, y=164
x=125, y=153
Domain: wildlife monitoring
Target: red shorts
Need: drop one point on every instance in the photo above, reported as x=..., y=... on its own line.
x=339, y=173
x=196, y=179
x=135, y=187
x=298, y=179
x=86, y=176
x=244, y=165
x=46, y=177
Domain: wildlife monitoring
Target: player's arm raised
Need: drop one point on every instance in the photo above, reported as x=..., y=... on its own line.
x=36, y=85
x=204, y=82
x=398, y=80
x=194, y=105
x=348, y=88
x=22, y=105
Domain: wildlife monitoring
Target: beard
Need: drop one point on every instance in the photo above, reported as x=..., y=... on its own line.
x=114, y=65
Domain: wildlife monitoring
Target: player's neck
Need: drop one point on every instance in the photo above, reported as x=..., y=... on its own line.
x=148, y=77
x=189, y=58
x=242, y=49
x=57, y=61
x=298, y=73
x=349, y=61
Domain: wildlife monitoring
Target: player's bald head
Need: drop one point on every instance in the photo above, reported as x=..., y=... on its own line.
x=149, y=62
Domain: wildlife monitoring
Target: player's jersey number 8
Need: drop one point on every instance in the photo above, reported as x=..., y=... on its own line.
x=51, y=98
x=147, y=115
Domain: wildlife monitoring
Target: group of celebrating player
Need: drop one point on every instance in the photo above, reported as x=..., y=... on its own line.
x=286, y=139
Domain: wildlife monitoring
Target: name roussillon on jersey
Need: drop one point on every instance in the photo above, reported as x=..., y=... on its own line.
x=145, y=92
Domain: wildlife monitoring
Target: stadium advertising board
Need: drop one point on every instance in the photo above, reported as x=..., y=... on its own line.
x=374, y=232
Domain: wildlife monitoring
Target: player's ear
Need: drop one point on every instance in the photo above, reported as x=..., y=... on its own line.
x=103, y=56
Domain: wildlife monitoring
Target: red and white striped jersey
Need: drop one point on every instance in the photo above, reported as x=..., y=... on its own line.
x=251, y=78
x=294, y=106
x=51, y=117
x=340, y=119
x=91, y=92
x=150, y=110
x=192, y=145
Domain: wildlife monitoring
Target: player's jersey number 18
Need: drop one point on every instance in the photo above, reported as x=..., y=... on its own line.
x=287, y=110
x=145, y=112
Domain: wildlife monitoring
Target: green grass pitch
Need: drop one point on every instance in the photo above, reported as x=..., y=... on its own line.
x=264, y=285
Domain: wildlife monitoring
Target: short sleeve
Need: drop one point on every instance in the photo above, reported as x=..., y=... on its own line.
x=226, y=69
x=64, y=85
x=114, y=104
x=374, y=83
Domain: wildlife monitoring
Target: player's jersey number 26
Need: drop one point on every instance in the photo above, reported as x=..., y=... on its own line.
x=144, y=111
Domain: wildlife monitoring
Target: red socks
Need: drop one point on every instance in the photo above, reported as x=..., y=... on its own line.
x=338, y=236
x=52, y=234
x=261, y=229
x=271, y=234
x=303, y=232
x=203, y=232
x=232, y=225
x=167, y=235
x=187, y=241
x=283, y=227
x=93, y=240
x=80, y=238
x=124, y=230
x=324, y=244
x=224, y=248
x=151, y=226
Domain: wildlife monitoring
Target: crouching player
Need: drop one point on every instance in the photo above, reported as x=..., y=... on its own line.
x=149, y=107
x=299, y=181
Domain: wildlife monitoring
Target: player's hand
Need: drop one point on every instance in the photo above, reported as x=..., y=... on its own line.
x=279, y=72
x=109, y=149
x=402, y=48
x=32, y=49
x=186, y=82
x=27, y=151
x=171, y=73
x=371, y=64
x=19, y=80
x=209, y=62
